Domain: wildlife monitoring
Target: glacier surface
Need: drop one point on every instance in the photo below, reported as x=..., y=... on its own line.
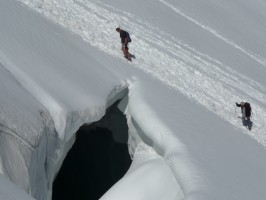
x=61, y=67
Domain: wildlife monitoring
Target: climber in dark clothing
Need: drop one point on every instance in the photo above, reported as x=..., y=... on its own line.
x=245, y=109
x=125, y=39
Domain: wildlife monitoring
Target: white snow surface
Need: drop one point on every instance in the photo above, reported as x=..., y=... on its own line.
x=61, y=66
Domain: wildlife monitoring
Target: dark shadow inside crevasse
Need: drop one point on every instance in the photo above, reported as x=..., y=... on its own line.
x=97, y=160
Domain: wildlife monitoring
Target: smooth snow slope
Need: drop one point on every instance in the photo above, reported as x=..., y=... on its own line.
x=186, y=141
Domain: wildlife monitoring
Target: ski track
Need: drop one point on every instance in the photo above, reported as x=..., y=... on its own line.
x=196, y=75
x=209, y=29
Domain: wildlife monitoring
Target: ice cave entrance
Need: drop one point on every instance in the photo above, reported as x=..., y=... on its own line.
x=97, y=160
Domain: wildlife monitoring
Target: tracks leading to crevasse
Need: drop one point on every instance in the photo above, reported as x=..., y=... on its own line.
x=181, y=67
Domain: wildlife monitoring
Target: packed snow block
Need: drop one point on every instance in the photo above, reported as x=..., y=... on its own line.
x=22, y=124
x=25, y=126
x=149, y=164
x=149, y=177
x=26, y=165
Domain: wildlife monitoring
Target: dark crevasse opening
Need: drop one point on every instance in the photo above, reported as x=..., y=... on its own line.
x=97, y=160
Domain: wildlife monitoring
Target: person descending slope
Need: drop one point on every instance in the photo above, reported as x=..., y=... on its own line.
x=245, y=109
x=125, y=39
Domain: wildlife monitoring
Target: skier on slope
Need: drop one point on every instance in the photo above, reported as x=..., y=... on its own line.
x=245, y=109
x=125, y=39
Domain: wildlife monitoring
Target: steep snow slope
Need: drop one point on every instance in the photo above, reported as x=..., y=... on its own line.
x=195, y=47
x=183, y=129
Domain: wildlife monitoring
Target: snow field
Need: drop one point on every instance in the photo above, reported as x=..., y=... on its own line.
x=201, y=78
x=63, y=83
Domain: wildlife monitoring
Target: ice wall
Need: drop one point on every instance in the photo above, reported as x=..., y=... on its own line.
x=34, y=166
